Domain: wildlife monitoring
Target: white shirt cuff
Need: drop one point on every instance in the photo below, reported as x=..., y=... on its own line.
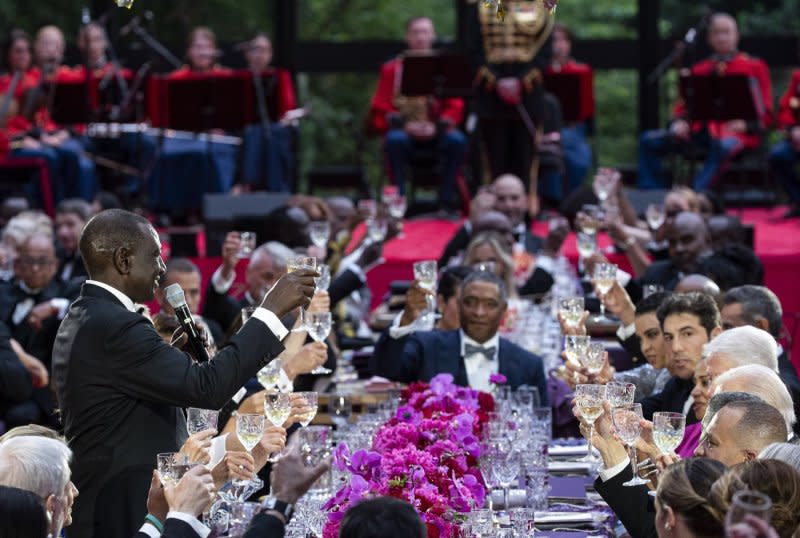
x=198, y=527
x=150, y=530
x=61, y=304
x=626, y=331
x=623, y=277
x=284, y=383
x=271, y=321
x=397, y=331
x=608, y=474
x=217, y=450
x=545, y=262
x=221, y=285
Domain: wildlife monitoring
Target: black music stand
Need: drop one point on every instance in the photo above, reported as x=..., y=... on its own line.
x=568, y=88
x=441, y=74
x=69, y=102
x=269, y=82
x=204, y=103
x=721, y=97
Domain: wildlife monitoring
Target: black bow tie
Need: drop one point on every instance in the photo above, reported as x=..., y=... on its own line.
x=487, y=352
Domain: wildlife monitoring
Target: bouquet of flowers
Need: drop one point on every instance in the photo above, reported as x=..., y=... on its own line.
x=426, y=455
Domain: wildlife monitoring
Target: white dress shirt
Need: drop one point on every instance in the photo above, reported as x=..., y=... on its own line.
x=479, y=368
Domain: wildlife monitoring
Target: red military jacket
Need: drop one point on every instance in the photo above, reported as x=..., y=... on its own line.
x=19, y=124
x=450, y=109
x=739, y=64
x=789, y=106
x=573, y=67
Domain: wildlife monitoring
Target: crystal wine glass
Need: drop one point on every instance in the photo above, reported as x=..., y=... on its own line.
x=376, y=229
x=296, y=263
x=747, y=503
x=655, y=215
x=270, y=375
x=166, y=463
x=397, y=206
x=627, y=423
x=323, y=282
x=571, y=310
x=311, y=400
x=589, y=399
x=619, y=394
x=247, y=243
x=320, y=232
x=249, y=429
x=576, y=345
x=198, y=420
x=425, y=273
x=318, y=325
x=506, y=466
x=277, y=408
x=340, y=408
x=587, y=244
x=590, y=219
x=605, y=274
x=668, y=430
x=604, y=183
x=594, y=358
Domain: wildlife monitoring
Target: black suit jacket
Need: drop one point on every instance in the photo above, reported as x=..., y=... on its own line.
x=428, y=353
x=789, y=376
x=222, y=308
x=121, y=389
x=265, y=526
x=343, y=285
x=632, y=505
x=672, y=398
x=15, y=381
x=173, y=528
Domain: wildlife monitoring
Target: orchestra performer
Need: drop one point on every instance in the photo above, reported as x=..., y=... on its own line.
x=785, y=155
x=725, y=139
x=410, y=122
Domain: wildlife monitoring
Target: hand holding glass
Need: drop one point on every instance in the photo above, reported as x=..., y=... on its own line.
x=627, y=423
x=589, y=399
x=318, y=325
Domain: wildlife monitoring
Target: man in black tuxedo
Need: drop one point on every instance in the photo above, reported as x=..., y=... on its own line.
x=120, y=387
x=71, y=217
x=760, y=307
x=32, y=305
x=474, y=352
x=15, y=381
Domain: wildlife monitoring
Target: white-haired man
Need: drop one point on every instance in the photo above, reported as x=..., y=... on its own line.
x=41, y=465
x=739, y=347
x=761, y=381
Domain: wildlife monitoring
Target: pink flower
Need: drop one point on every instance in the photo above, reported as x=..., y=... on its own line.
x=498, y=379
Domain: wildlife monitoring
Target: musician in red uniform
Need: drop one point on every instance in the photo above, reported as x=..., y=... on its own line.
x=724, y=139
x=267, y=162
x=186, y=169
x=19, y=60
x=785, y=155
x=33, y=131
x=408, y=122
x=577, y=152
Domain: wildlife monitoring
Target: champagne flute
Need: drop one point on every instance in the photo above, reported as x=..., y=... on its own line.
x=655, y=215
x=571, y=310
x=668, y=429
x=296, y=263
x=747, y=503
x=318, y=325
x=320, y=232
x=626, y=420
x=576, y=345
x=340, y=408
x=589, y=399
x=619, y=394
x=594, y=358
x=311, y=400
x=323, y=282
x=198, y=420
x=605, y=274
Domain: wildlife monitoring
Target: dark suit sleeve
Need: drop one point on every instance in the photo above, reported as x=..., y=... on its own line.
x=15, y=381
x=265, y=526
x=404, y=367
x=388, y=352
x=789, y=377
x=538, y=283
x=343, y=285
x=633, y=346
x=173, y=528
x=219, y=307
x=457, y=243
x=631, y=504
x=147, y=368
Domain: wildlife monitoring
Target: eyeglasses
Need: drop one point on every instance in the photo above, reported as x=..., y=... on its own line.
x=32, y=262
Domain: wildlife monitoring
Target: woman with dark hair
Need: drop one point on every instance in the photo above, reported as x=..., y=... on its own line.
x=682, y=500
x=23, y=514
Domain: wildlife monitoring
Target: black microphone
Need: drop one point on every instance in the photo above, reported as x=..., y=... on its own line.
x=177, y=300
x=132, y=24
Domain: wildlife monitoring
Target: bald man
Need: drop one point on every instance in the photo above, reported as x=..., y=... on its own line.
x=701, y=283
x=722, y=139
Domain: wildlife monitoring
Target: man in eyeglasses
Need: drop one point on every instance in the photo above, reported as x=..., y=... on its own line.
x=32, y=304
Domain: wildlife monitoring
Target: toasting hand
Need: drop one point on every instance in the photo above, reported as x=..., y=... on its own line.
x=290, y=291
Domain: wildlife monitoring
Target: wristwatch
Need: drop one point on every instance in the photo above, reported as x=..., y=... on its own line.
x=271, y=503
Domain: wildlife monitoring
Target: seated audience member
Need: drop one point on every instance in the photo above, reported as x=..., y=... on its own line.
x=688, y=321
x=785, y=452
x=71, y=216
x=41, y=466
x=776, y=479
x=267, y=160
x=740, y=430
x=689, y=243
x=105, y=200
x=732, y=266
x=482, y=203
x=23, y=514
x=725, y=230
x=183, y=272
x=700, y=397
x=760, y=307
x=682, y=505
x=344, y=218
x=761, y=381
x=421, y=121
x=710, y=204
x=698, y=283
x=32, y=306
x=738, y=347
x=784, y=156
x=382, y=517
x=16, y=384
x=724, y=139
x=473, y=353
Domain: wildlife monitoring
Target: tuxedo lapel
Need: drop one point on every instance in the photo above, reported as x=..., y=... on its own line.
x=447, y=356
x=508, y=365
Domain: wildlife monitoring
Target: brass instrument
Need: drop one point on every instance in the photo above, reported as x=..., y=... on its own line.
x=9, y=105
x=516, y=39
x=414, y=108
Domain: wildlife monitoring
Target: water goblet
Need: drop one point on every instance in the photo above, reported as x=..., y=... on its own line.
x=655, y=215
x=311, y=401
x=376, y=229
x=587, y=244
x=575, y=346
x=747, y=503
x=320, y=232
x=589, y=399
x=618, y=393
x=627, y=423
x=318, y=326
x=594, y=358
x=247, y=243
x=668, y=430
x=323, y=281
x=198, y=420
x=605, y=274
x=340, y=407
x=571, y=310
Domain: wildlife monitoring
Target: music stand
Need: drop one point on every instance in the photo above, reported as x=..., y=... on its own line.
x=441, y=74
x=269, y=81
x=721, y=97
x=70, y=102
x=570, y=89
x=201, y=103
